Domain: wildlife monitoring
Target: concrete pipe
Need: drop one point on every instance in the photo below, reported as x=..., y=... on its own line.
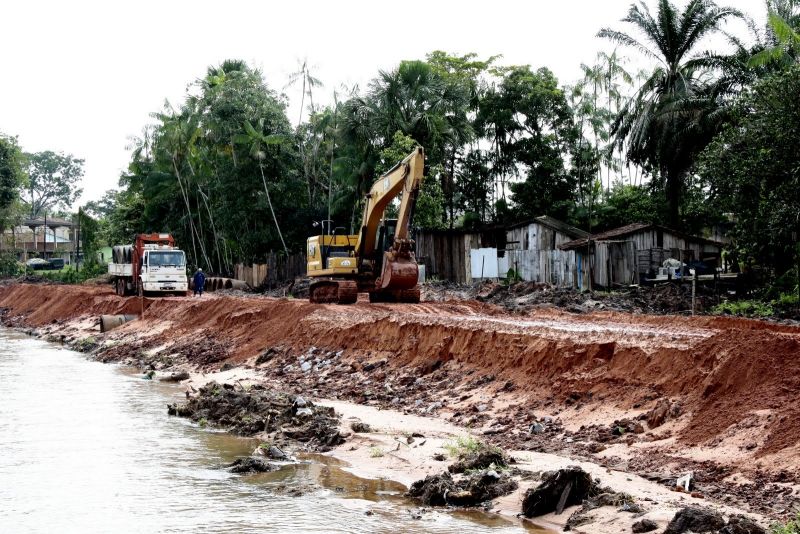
x=110, y=322
x=231, y=283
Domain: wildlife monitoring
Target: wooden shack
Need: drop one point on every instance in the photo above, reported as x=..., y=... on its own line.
x=631, y=254
x=532, y=248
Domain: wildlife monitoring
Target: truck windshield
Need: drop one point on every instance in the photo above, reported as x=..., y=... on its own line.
x=171, y=258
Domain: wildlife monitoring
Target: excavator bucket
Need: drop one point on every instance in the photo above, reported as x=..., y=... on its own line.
x=399, y=273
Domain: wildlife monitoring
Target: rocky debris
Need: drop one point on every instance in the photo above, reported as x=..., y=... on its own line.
x=740, y=524
x=175, y=377
x=663, y=410
x=267, y=355
x=250, y=464
x=696, y=520
x=203, y=351
x=558, y=489
x=262, y=410
x=604, y=497
x=272, y=452
x=442, y=489
x=484, y=457
x=644, y=525
x=360, y=428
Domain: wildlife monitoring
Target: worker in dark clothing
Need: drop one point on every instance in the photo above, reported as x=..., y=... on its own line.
x=199, y=281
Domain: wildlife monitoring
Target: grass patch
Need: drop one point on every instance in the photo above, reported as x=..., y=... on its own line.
x=202, y=423
x=376, y=452
x=464, y=445
x=792, y=527
x=744, y=308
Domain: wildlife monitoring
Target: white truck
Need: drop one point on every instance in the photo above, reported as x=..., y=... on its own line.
x=151, y=265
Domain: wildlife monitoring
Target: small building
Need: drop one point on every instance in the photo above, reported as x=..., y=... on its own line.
x=632, y=254
x=45, y=237
x=532, y=250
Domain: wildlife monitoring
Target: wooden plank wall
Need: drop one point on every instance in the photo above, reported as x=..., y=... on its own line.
x=554, y=267
x=446, y=255
x=276, y=270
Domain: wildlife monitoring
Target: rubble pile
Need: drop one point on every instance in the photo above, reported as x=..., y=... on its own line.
x=259, y=409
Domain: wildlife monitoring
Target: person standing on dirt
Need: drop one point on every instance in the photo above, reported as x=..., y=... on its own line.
x=199, y=281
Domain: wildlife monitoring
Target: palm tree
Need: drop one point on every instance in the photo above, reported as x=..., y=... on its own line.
x=783, y=34
x=303, y=74
x=670, y=119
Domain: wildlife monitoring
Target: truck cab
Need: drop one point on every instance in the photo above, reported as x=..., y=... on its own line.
x=163, y=269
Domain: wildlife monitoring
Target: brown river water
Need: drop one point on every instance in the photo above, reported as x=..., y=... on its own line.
x=88, y=447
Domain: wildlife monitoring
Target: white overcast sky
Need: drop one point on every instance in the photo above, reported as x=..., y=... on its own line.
x=80, y=77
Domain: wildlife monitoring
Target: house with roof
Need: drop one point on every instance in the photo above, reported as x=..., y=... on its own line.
x=634, y=253
x=39, y=237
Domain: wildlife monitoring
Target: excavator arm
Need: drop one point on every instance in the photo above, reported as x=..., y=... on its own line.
x=399, y=267
x=404, y=177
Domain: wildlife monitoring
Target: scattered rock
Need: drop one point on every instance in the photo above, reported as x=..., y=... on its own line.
x=644, y=525
x=696, y=520
x=272, y=452
x=175, y=377
x=482, y=458
x=267, y=355
x=558, y=489
x=537, y=428
x=360, y=427
x=251, y=464
x=740, y=524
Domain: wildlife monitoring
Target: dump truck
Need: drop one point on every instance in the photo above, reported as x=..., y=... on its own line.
x=379, y=260
x=151, y=265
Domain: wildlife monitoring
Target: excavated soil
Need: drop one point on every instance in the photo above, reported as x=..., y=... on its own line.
x=592, y=380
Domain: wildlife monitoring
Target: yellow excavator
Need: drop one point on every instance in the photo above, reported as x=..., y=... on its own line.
x=379, y=260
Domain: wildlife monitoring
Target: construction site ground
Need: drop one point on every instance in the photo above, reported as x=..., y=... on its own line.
x=640, y=400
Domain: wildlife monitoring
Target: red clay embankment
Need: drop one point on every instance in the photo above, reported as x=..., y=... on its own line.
x=722, y=370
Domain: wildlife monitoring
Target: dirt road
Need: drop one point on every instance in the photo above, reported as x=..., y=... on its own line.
x=649, y=394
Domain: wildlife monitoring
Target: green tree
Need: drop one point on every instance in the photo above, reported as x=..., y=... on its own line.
x=529, y=125
x=752, y=170
x=52, y=181
x=12, y=177
x=674, y=114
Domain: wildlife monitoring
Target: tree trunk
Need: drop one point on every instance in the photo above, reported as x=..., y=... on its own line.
x=274, y=218
x=674, y=190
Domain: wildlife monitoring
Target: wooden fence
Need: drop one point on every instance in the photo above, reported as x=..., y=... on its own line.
x=277, y=270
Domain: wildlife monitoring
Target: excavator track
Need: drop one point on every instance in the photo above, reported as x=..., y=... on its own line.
x=411, y=296
x=333, y=292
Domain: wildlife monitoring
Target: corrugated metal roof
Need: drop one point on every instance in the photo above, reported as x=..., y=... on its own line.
x=629, y=229
x=555, y=224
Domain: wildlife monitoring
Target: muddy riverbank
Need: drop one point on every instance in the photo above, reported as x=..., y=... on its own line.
x=638, y=400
